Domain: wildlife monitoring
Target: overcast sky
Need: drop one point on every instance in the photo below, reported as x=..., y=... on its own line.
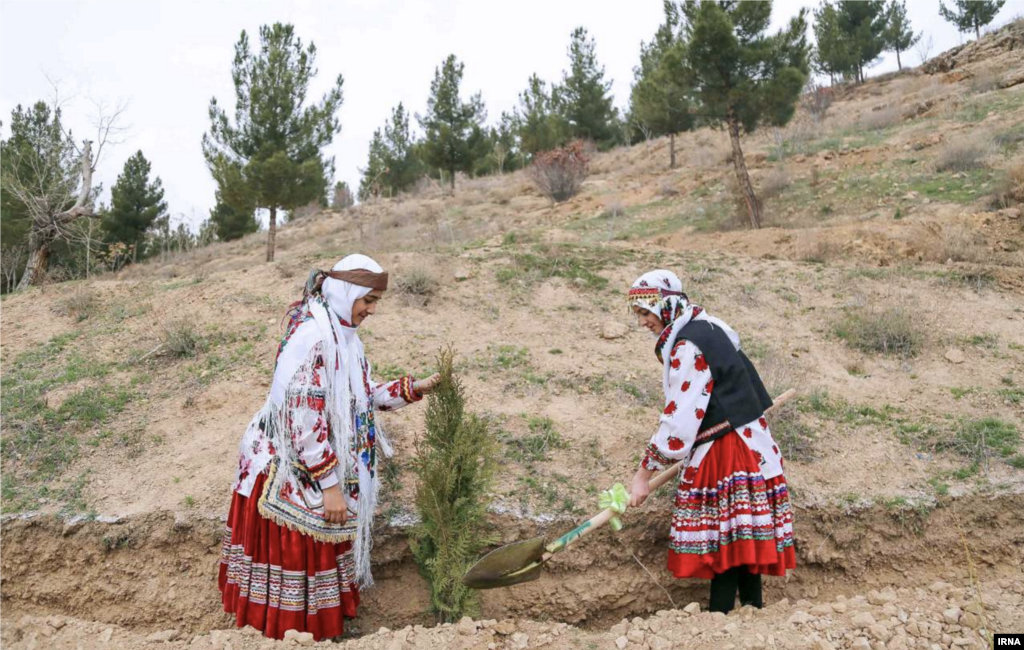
x=166, y=59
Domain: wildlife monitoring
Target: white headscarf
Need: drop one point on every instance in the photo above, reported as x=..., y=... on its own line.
x=342, y=295
x=661, y=292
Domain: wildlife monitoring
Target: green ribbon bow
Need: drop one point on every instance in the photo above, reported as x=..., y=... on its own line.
x=617, y=499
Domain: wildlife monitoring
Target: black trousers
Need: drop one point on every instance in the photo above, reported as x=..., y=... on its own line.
x=725, y=586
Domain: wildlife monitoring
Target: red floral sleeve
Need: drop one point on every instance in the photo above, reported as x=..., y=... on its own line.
x=308, y=421
x=394, y=394
x=689, y=391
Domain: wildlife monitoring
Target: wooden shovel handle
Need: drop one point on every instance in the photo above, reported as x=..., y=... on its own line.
x=605, y=515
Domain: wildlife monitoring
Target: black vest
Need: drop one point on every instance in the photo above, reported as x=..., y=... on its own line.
x=738, y=396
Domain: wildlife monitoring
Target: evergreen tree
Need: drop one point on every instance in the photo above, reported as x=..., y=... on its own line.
x=898, y=35
x=342, y=197
x=832, y=55
x=230, y=222
x=454, y=465
x=450, y=122
x=742, y=76
x=505, y=151
x=971, y=14
x=275, y=143
x=539, y=125
x=372, y=183
x=403, y=169
x=583, y=98
x=863, y=24
x=660, y=100
x=135, y=205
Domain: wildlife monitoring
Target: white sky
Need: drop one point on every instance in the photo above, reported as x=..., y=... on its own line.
x=168, y=58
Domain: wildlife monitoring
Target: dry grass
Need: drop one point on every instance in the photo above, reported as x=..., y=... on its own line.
x=821, y=251
x=959, y=243
x=985, y=80
x=774, y=184
x=417, y=285
x=182, y=339
x=80, y=304
x=877, y=120
x=1011, y=192
x=889, y=330
x=963, y=154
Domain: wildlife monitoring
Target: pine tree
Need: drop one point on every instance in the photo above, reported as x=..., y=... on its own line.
x=229, y=222
x=742, y=76
x=275, y=143
x=403, y=169
x=832, y=55
x=660, y=100
x=342, y=197
x=454, y=465
x=449, y=122
x=898, y=35
x=135, y=205
x=971, y=14
x=539, y=125
x=583, y=98
x=862, y=23
x=371, y=185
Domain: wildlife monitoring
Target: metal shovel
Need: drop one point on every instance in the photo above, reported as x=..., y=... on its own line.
x=522, y=561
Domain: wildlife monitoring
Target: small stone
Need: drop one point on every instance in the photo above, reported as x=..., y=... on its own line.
x=731, y=629
x=461, y=275
x=783, y=603
x=466, y=626
x=614, y=330
x=692, y=609
x=165, y=636
x=621, y=643
x=302, y=638
x=879, y=632
x=863, y=619
x=839, y=608
x=519, y=641
x=800, y=618
x=954, y=356
x=971, y=620
x=913, y=629
x=961, y=642
x=636, y=636
x=823, y=609
x=822, y=644
x=882, y=597
x=860, y=643
x=106, y=634
x=952, y=615
x=505, y=628
x=56, y=622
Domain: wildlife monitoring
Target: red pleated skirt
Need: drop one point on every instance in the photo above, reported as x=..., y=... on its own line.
x=275, y=579
x=727, y=514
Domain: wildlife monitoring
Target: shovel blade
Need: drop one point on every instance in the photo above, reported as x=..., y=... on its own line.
x=508, y=565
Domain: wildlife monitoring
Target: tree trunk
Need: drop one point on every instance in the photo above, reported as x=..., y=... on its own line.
x=451, y=172
x=271, y=233
x=977, y=31
x=672, y=150
x=898, y=62
x=35, y=268
x=742, y=177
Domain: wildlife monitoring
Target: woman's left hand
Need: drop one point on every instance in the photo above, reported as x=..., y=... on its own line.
x=426, y=386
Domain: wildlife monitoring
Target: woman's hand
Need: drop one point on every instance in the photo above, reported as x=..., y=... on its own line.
x=640, y=488
x=335, y=510
x=425, y=386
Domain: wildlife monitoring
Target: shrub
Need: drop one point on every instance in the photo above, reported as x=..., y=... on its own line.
x=454, y=466
x=80, y=304
x=818, y=100
x=963, y=154
x=881, y=119
x=1012, y=190
x=181, y=339
x=891, y=331
x=418, y=285
x=560, y=173
x=774, y=183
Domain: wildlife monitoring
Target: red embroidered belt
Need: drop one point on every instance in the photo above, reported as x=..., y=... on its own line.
x=712, y=433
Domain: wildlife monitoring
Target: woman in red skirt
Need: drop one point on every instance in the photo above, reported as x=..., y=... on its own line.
x=732, y=521
x=297, y=545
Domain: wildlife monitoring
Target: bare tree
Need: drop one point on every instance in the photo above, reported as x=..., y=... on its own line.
x=54, y=182
x=11, y=261
x=924, y=48
x=499, y=154
x=87, y=233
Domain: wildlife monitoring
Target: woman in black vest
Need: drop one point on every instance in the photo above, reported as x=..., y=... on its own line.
x=732, y=521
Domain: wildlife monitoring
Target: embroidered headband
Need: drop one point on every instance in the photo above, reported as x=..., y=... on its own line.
x=650, y=295
x=361, y=277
